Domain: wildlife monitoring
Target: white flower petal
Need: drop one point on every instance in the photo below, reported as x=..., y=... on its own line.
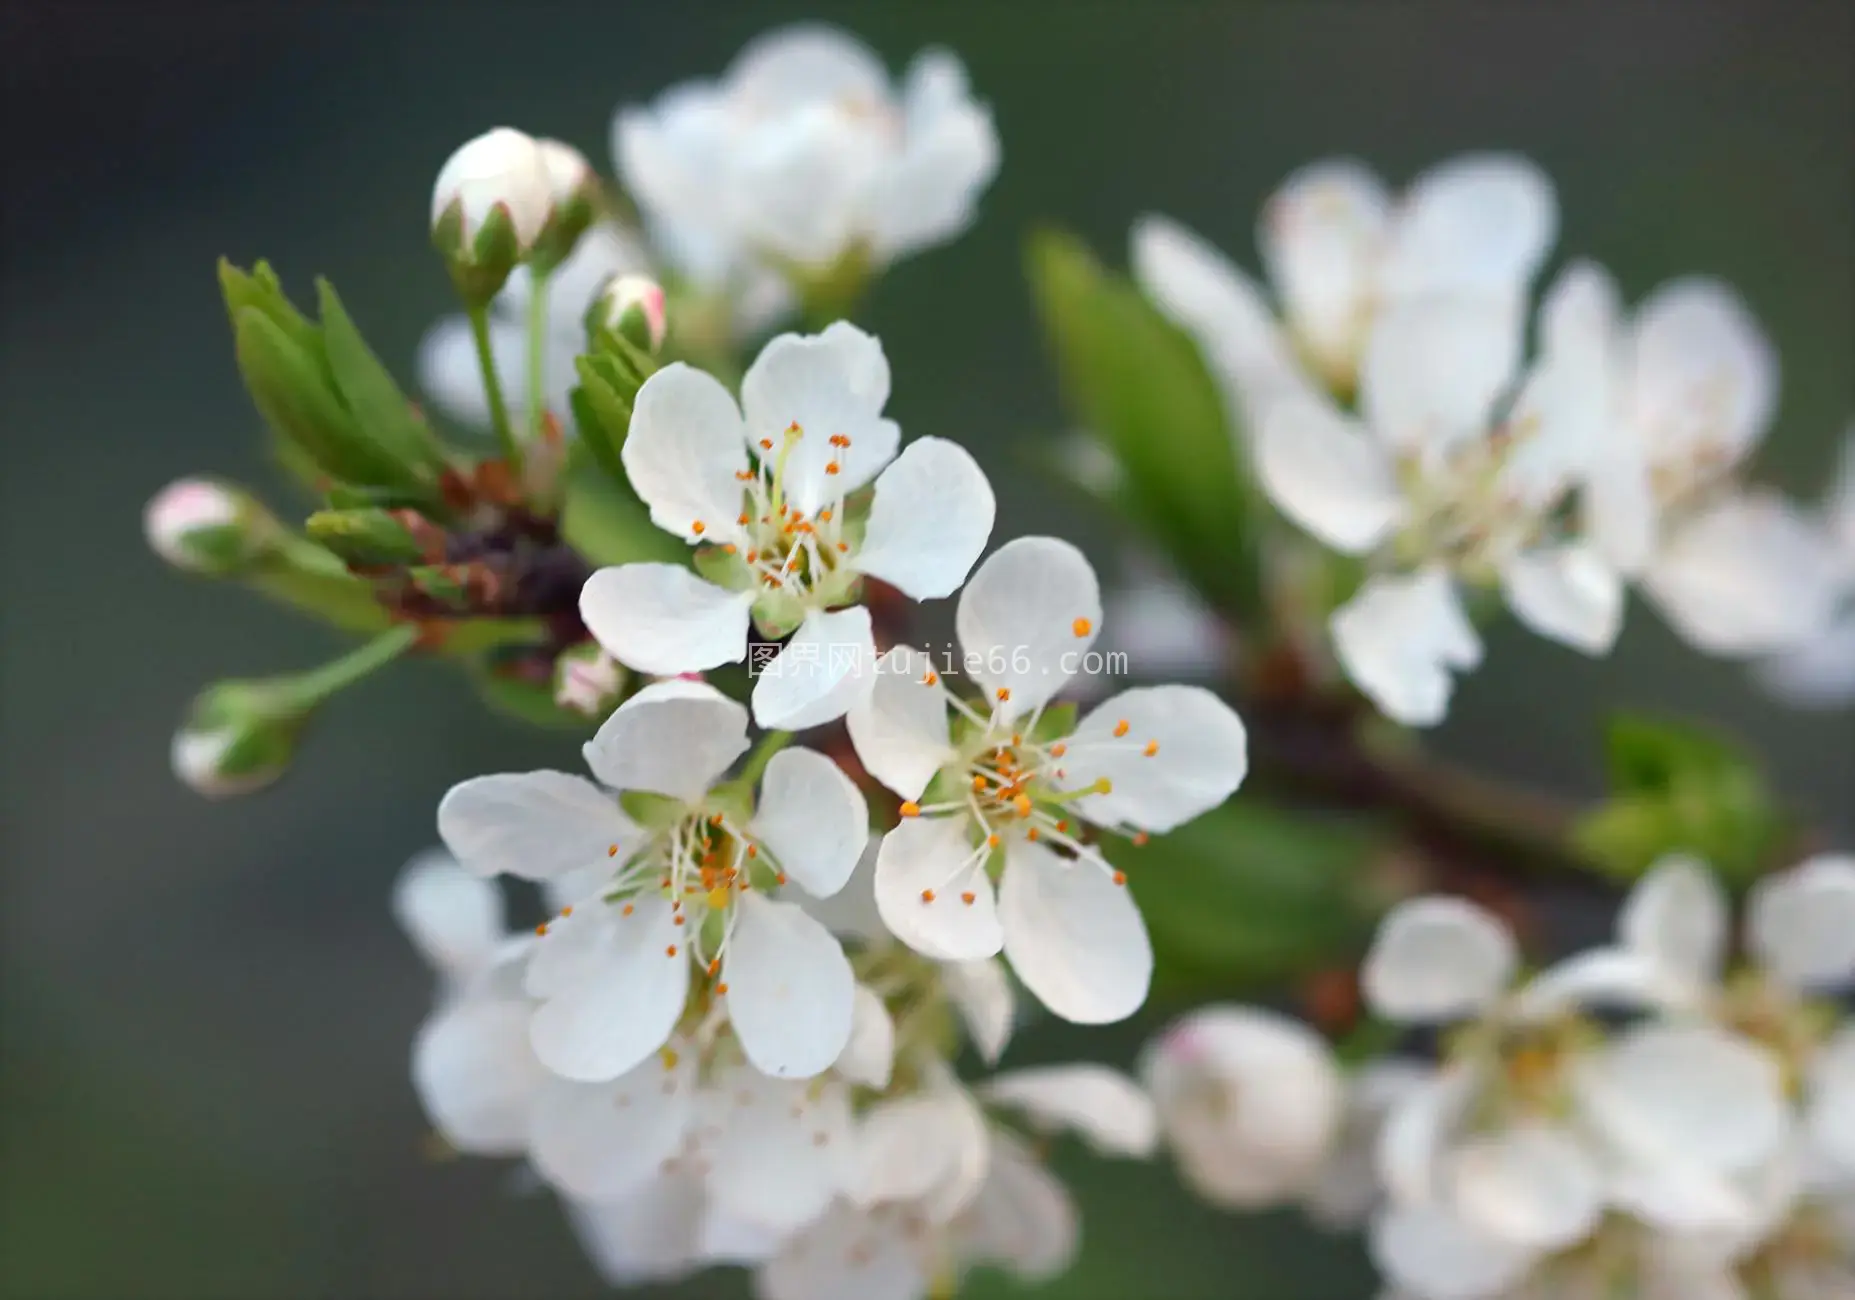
x=1346, y=1189
x=1704, y=378
x=1423, y=1125
x=1435, y=368
x=1025, y=621
x=1439, y=1257
x=674, y=737
x=851, y=912
x=1250, y=1100
x=535, y=825
x=925, y=870
x=1801, y=924
x=1437, y=959
x=1751, y=576
x=1479, y=223
x=1566, y=411
x=930, y=1148
x=900, y=728
x=1684, y=1093
x=475, y=1075
x=683, y=453
x=929, y=520
x=930, y=193
x=1832, y=1102
x=1165, y=630
x=1568, y=593
x=1531, y=1185
x=1322, y=237
x=1615, y=978
x=981, y=992
x=663, y=619
x=829, y=384
x=651, y=1235
x=454, y=918
x=824, y=671
x=1105, y=1107
x=1199, y=756
x=1022, y=1218
x=627, y=998
x=790, y=989
x=1326, y=473
x=1819, y=673
x=1206, y=295
x=596, y=1141
x=1074, y=938
x=868, y=1058
x=1677, y=917
x=813, y=818
x=783, y=1154
x=845, y=1255
x=1399, y=638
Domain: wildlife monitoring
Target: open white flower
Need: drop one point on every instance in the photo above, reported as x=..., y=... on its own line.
x=1250, y=1102
x=1458, y=470
x=697, y=885
x=804, y=153
x=1689, y=384
x=1005, y=798
x=762, y=486
x=1341, y=251
x=1820, y=672
x=476, y=1075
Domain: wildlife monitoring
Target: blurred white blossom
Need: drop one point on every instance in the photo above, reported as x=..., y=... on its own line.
x=1820, y=672
x=804, y=153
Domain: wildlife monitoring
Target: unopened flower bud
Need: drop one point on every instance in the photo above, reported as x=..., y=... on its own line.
x=574, y=201
x=588, y=680
x=632, y=307
x=205, y=526
x=238, y=737
x=491, y=202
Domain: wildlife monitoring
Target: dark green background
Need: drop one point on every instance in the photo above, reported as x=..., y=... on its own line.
x=205, y=1009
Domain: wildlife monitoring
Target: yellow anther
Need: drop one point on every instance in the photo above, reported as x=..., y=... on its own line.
x=718, y=897
x=669, y=1057
x=1120, y=728
x=1023, y=804
x=670, y=951
x=1003, y=693
x=698, y=528
x=1120, y=877
x=1081, y=627
x=1152, y=748
x=927, y=895
x=910, y=808
x=1103, y=785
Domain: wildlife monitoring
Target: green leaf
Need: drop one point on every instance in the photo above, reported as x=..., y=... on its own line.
x=378, y=407
x=1679, y=788
x=1136, y=381
x=290, y=390
x=1250, y=894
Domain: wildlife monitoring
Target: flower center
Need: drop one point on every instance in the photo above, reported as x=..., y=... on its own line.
x=1464, y=512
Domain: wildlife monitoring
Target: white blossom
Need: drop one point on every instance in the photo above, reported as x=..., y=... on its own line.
x=697, y=886
x=1342, y=252
x=184, y=512
x=1458, y=470
x=764, y=484
x=996, y=858
x=1250, y=1102
x=803, y=153
x=1820, y=671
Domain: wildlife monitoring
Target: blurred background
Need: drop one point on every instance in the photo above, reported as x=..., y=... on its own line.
x=205, y=1011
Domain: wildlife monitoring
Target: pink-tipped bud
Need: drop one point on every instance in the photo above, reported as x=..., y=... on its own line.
x=204, y=526
x=632, y=306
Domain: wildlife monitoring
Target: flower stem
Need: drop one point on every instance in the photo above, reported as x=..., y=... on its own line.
x=770, y=744
x=316, y=685
x=537, y=349
x=492, y=388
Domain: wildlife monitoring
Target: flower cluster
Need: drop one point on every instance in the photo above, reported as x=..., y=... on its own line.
x=1392, y=415
x=732, y=1038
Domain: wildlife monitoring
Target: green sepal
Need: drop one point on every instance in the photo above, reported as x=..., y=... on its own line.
x=715, y=564
x=1134, y=379
x=364, y=536
x=651, y=811
x=1251, y=894
x=1057, y=721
